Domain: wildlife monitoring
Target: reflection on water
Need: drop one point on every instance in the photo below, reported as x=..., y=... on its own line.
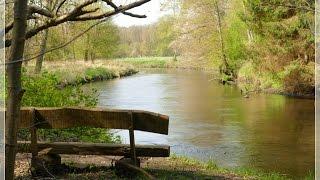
x=211, y=121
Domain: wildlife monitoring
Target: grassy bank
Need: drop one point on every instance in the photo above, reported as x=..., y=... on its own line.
x=144, y=62
x=80, y=72
x=210, y=169
x=174, y=167
x=294, y=80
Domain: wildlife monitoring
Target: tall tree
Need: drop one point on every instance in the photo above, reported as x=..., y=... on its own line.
x=19, y=33
x=224, y=68
x=15, y=91
x=43, y=44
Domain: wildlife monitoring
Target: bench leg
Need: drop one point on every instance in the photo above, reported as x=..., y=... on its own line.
x=33, y=145
x=132, y=147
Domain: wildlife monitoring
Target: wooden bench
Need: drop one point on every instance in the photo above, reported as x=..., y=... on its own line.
x=60, y=118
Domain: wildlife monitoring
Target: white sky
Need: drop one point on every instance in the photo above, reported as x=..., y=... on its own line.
x=151, y=9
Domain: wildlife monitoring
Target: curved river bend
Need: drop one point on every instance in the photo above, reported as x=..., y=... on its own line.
x=211, y=121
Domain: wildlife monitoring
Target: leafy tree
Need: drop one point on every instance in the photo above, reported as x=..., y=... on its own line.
x=164, y=36
x=284, y=40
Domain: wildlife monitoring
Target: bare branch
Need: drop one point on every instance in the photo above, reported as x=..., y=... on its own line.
x=35, y=9
x=32, y=9
x=59, y=6
x=110, y=3
x=78, y=14
x=120, y=9
x=134, y=15
x=34, y=56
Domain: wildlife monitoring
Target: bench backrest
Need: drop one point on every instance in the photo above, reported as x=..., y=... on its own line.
x=59, y=118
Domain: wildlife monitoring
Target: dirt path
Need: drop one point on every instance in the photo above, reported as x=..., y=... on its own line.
x=100, y=167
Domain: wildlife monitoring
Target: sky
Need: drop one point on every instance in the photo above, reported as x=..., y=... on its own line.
x=151, y=9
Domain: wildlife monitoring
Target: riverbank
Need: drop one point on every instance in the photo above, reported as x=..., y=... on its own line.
x=296, y=80
x=144, y=62
x=248, y=80
x=80, y=72
x=174, y=167
x=287, y=82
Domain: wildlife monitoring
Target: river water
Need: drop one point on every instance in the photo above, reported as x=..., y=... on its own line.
x=209, y=121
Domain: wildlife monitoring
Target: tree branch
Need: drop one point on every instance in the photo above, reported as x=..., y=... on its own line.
x=78, y=14
x=34, y=56
x=36, y=9
x=32, y=9
x=59, y=6
x=115, y=7
x=9, y=27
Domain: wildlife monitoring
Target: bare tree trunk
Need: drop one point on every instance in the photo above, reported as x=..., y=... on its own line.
x=249, y=31
x=225, y=65
x=73, y=51
x=42, y=51
x=87, y=50
x=15, y=91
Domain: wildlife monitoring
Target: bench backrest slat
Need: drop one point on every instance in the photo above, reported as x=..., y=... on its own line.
x=58, y=118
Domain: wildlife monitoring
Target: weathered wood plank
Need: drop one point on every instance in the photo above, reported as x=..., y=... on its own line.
x=95, y=117
x=98, y=149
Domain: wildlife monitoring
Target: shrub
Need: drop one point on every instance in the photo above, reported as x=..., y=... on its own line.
x=42, y=91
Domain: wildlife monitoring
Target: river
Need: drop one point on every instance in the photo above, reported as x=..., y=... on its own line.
x=209, y=121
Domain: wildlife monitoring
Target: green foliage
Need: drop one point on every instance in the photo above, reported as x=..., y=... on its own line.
x=235, y=38
x=99, y=72
x=100, y=42
x=298, y=78
x=164, y=36
x=286, y=27
x=42, y=91
x=284, y=43
x=149, y=40
x=79, y=134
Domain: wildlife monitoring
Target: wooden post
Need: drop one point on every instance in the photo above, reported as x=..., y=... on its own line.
x=33, y=130
x=132, y=143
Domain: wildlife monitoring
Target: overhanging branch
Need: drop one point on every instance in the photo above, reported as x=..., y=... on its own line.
x=78, y=14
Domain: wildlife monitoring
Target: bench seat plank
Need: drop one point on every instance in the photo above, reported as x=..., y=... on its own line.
x=97, y=149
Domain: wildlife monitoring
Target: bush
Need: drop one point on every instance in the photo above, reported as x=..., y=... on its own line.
x=42, y=91
x=298, y=78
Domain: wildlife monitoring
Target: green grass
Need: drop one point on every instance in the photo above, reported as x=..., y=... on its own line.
x=212, y=168
x=91, y=74
x=146, y=62
x=82, y=72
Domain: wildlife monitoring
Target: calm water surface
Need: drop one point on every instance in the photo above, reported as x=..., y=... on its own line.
x=211, y=121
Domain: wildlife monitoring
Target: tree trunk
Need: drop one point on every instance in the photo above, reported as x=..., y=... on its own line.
x=14, y=90
x=249, y=31
x=225, y=65
x=87, y=50
x=42, y=51
x=86, y=55
x=73, y=51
